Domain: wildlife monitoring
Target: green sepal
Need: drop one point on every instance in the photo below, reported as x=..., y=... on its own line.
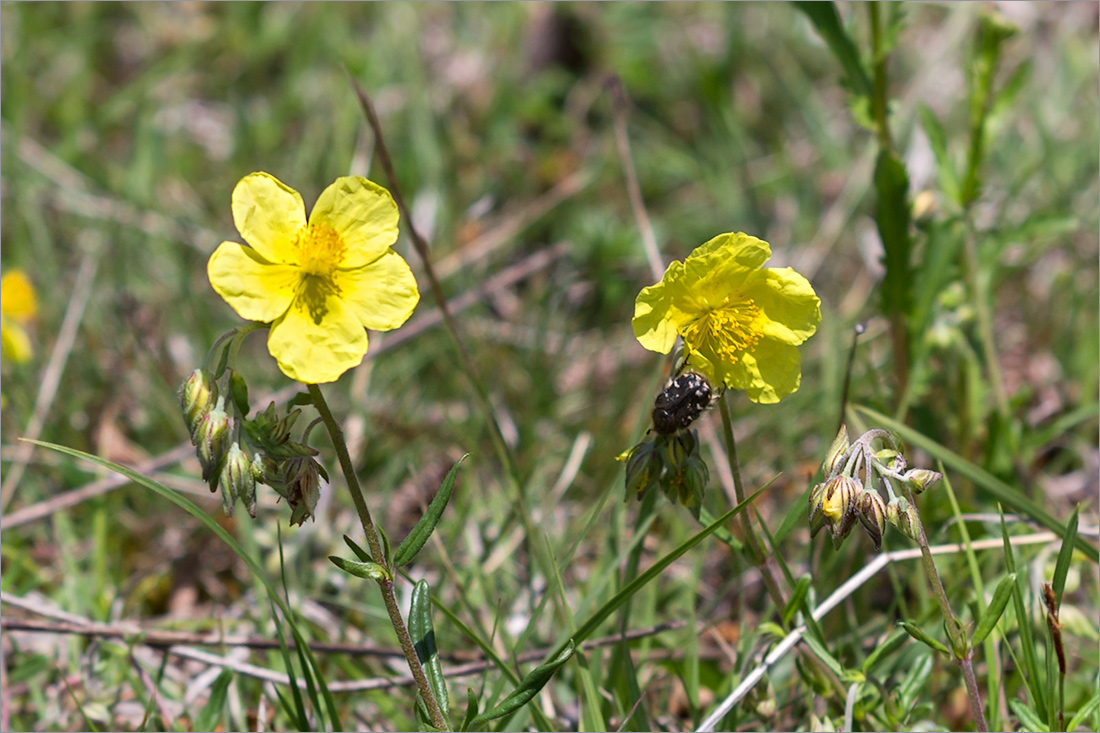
x=530, y=686
x=423, y=638
x=416, y=538
x=920, y=635
x=995, y=609
x=371, y=570
x=301, y=399
x=238, y=391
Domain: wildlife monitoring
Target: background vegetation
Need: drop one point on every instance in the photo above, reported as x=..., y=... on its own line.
x=125, y=128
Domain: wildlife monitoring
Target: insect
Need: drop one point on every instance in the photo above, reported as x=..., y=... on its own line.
x=684, y=399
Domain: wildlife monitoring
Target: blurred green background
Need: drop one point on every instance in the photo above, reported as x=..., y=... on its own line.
x=126, y=126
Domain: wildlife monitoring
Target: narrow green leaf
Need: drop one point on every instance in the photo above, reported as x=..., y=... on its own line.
x=826, y=20
x=1030, y=670
x=984, y=480
x=914, y=680
x=214, y=527
x=937, y=139
x=628, y=590
x=823, y=654
x=996, y=608
x=798, y=595
x=471, y=710
x=888, y=646
x=922, y=636
x=359, y=551
x=1065, y=556
x=387, y=551
x=210, y=716
x=892, y=217
x=369, y=570
x=411, y=545
x=1080, y=717
x=1029, y=719
x=531, y=685
x=423, y=637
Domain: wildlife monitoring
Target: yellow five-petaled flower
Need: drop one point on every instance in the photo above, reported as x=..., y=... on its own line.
x=740, y=323
x=321, y=282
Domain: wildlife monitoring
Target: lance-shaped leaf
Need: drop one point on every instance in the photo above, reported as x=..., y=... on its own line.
x=827, y=22
x=370, y=570
x=995, y=609
x=359, y=551
x=531, y=685
x=798, y=595
x=920, y=635
x=471, y=709
x=1065, y=555
x=889, y=645
x=423, y=638
x=411, y=545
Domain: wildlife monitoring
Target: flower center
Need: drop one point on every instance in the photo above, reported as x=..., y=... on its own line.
x=726, y=330
x=321, y=251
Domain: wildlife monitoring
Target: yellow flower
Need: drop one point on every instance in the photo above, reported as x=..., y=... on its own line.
x=18, y=305
x=740, y=323
x=321, y=282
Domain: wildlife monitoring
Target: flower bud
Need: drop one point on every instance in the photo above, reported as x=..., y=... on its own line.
x=643, y=466
x=211, y=437
x=840, y=492
x=299, y=482
x=237, y=479
x=817, y=516
x=836, y=452
x=903, y=515
x=920, y=479
x=197, y=395
x=872, y=515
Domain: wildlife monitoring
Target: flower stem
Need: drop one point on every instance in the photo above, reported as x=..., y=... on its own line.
x=386, y=585
x=960, y=645
x=756, y=548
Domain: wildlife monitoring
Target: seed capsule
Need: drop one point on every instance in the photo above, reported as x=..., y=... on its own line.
x=684, y=399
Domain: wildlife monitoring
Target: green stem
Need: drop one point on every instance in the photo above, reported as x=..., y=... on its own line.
x=960, y=645
x=386, y=585
x=879, y=107
x=756, y=548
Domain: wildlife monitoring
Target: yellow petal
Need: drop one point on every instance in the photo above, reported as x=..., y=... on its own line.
x=17, y=296
x=363, y=213
x=792, y=309
x=383, y=294
x=769, y=373
x=269, y=215
x=315, y=353
x=725, y=254
x=14, y=342
x=257, y=290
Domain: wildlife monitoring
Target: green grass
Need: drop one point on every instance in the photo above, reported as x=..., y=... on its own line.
x=125, y=128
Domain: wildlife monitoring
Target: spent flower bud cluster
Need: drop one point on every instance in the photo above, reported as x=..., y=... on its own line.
x=236, y=453
x=860, y=481
x=671, y=462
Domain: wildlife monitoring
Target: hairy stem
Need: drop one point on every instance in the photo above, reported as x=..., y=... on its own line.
x=960, y=645
x=386, y=585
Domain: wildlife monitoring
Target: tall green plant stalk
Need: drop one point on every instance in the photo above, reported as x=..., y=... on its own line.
x=385, y=584
x=960, y=644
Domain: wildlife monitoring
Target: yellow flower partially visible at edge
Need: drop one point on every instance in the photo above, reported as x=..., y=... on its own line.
x=741, y=323
x=18, y=305
x=321, y=282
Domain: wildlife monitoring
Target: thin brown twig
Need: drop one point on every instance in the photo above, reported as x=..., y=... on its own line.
x=620, y=104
